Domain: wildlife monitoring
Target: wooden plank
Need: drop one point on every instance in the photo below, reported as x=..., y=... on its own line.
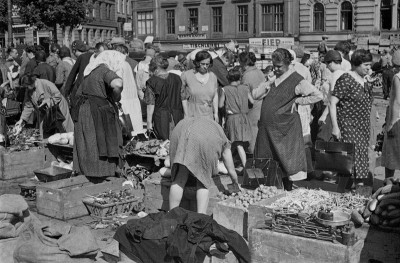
x=268, y=246
x=231, y=217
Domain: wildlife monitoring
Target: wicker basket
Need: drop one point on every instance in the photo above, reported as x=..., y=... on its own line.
x=109, y=211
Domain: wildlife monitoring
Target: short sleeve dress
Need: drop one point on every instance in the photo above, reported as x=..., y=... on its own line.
x=199, y=95
x=237, y=107
x=353, y=116
x=198, y=153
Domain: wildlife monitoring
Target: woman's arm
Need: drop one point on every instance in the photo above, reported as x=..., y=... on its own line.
x=228, y=161
x=309, y=92
x=222, y=99
x=333, y=111
x=395, y=108
x=184, y=95
x=215, y=105
x=117, y=86
x=150, y=111
x=261, y=91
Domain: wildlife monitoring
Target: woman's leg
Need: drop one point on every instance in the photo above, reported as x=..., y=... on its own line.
x=242, y=154
x=202, y=196
x=389, y=172
x=177, y=186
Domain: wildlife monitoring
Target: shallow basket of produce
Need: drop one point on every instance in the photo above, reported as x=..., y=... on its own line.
x=108, y=211
x=111, y=203
x=52, y=173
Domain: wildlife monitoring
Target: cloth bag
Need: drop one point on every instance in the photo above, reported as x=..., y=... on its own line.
x=335, y=156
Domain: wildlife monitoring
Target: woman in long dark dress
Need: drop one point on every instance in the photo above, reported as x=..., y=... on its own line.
x=163, y=98
x=98, y=132
x=350, y=109
x=280, y=134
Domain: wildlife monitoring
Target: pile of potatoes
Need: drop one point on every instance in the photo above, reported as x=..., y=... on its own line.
x=244, y=198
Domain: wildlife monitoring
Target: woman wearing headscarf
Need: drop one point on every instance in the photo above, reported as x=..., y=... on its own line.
x=280, y=136
x=98, y=132
x=350, y=109
x=200, y=88
x=43, y=96
x=252, y=77
x=162, y=96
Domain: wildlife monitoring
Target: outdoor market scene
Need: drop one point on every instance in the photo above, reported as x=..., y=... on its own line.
x=120, y=145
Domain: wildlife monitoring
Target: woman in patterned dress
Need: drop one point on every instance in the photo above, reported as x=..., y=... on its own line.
x=350, y=109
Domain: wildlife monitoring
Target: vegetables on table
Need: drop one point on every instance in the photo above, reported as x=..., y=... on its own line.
x=383, y=209
x=23, y=141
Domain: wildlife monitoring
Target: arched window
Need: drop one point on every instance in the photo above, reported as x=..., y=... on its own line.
x=346, y=22
x=386, y=14
x=319, y=20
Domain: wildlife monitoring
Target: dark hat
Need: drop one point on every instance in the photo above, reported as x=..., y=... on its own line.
x=377, y=67
x=181, y=58
x=79, y=45
x=172, y=53
x=332, y=55
x=325, y=37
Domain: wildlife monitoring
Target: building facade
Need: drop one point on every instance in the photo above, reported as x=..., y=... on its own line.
x=124, y=18
x=103, y=26
x=190, y=24
x=369, y=24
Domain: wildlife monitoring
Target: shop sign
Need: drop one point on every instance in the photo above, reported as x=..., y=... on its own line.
x=384, y=42
x=202, y=45
x=272, y=41
x=181, y=28
x=204, y=28
x=191, y=36
x=127, y=26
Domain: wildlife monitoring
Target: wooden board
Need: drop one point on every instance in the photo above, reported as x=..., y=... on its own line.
x=63, y=199
x=20, y=164
x=268, y=246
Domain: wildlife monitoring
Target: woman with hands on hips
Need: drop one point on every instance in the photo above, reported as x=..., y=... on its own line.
x=42, y=95
x=350, y=109
x=199, y=91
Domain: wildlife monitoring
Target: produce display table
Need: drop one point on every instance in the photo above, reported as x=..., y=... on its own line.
x=377, y=243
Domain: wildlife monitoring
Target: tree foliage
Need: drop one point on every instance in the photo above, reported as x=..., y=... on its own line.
x=48, y=13
x=3, y=14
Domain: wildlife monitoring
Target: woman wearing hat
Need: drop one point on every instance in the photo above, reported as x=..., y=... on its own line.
x=350, y=109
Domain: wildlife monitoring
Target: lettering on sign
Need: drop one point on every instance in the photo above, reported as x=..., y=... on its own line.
x=192, y=36
x=202, y=45
x=272, y=41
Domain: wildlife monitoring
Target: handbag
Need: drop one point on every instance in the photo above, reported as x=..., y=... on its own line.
x=262, y=171
x=52, y=119
x=335, y=156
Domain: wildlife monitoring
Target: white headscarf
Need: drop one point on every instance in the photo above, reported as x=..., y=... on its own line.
x=113, y=59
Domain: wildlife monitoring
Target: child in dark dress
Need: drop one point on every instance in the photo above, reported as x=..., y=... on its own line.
x=236, y=97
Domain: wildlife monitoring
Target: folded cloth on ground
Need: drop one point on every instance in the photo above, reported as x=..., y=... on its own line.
x=12, y=204
x=49, y=242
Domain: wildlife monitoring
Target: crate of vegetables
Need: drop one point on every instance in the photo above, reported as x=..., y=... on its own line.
x=111, y=203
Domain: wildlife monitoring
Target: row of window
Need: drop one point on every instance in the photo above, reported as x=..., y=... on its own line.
x=124, y=6
x=97, y=10
x=272, y=18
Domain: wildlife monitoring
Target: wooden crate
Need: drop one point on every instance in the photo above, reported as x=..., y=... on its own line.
x=238, y=218
x=268, y=246
x=63, y=199
x=20, y=164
